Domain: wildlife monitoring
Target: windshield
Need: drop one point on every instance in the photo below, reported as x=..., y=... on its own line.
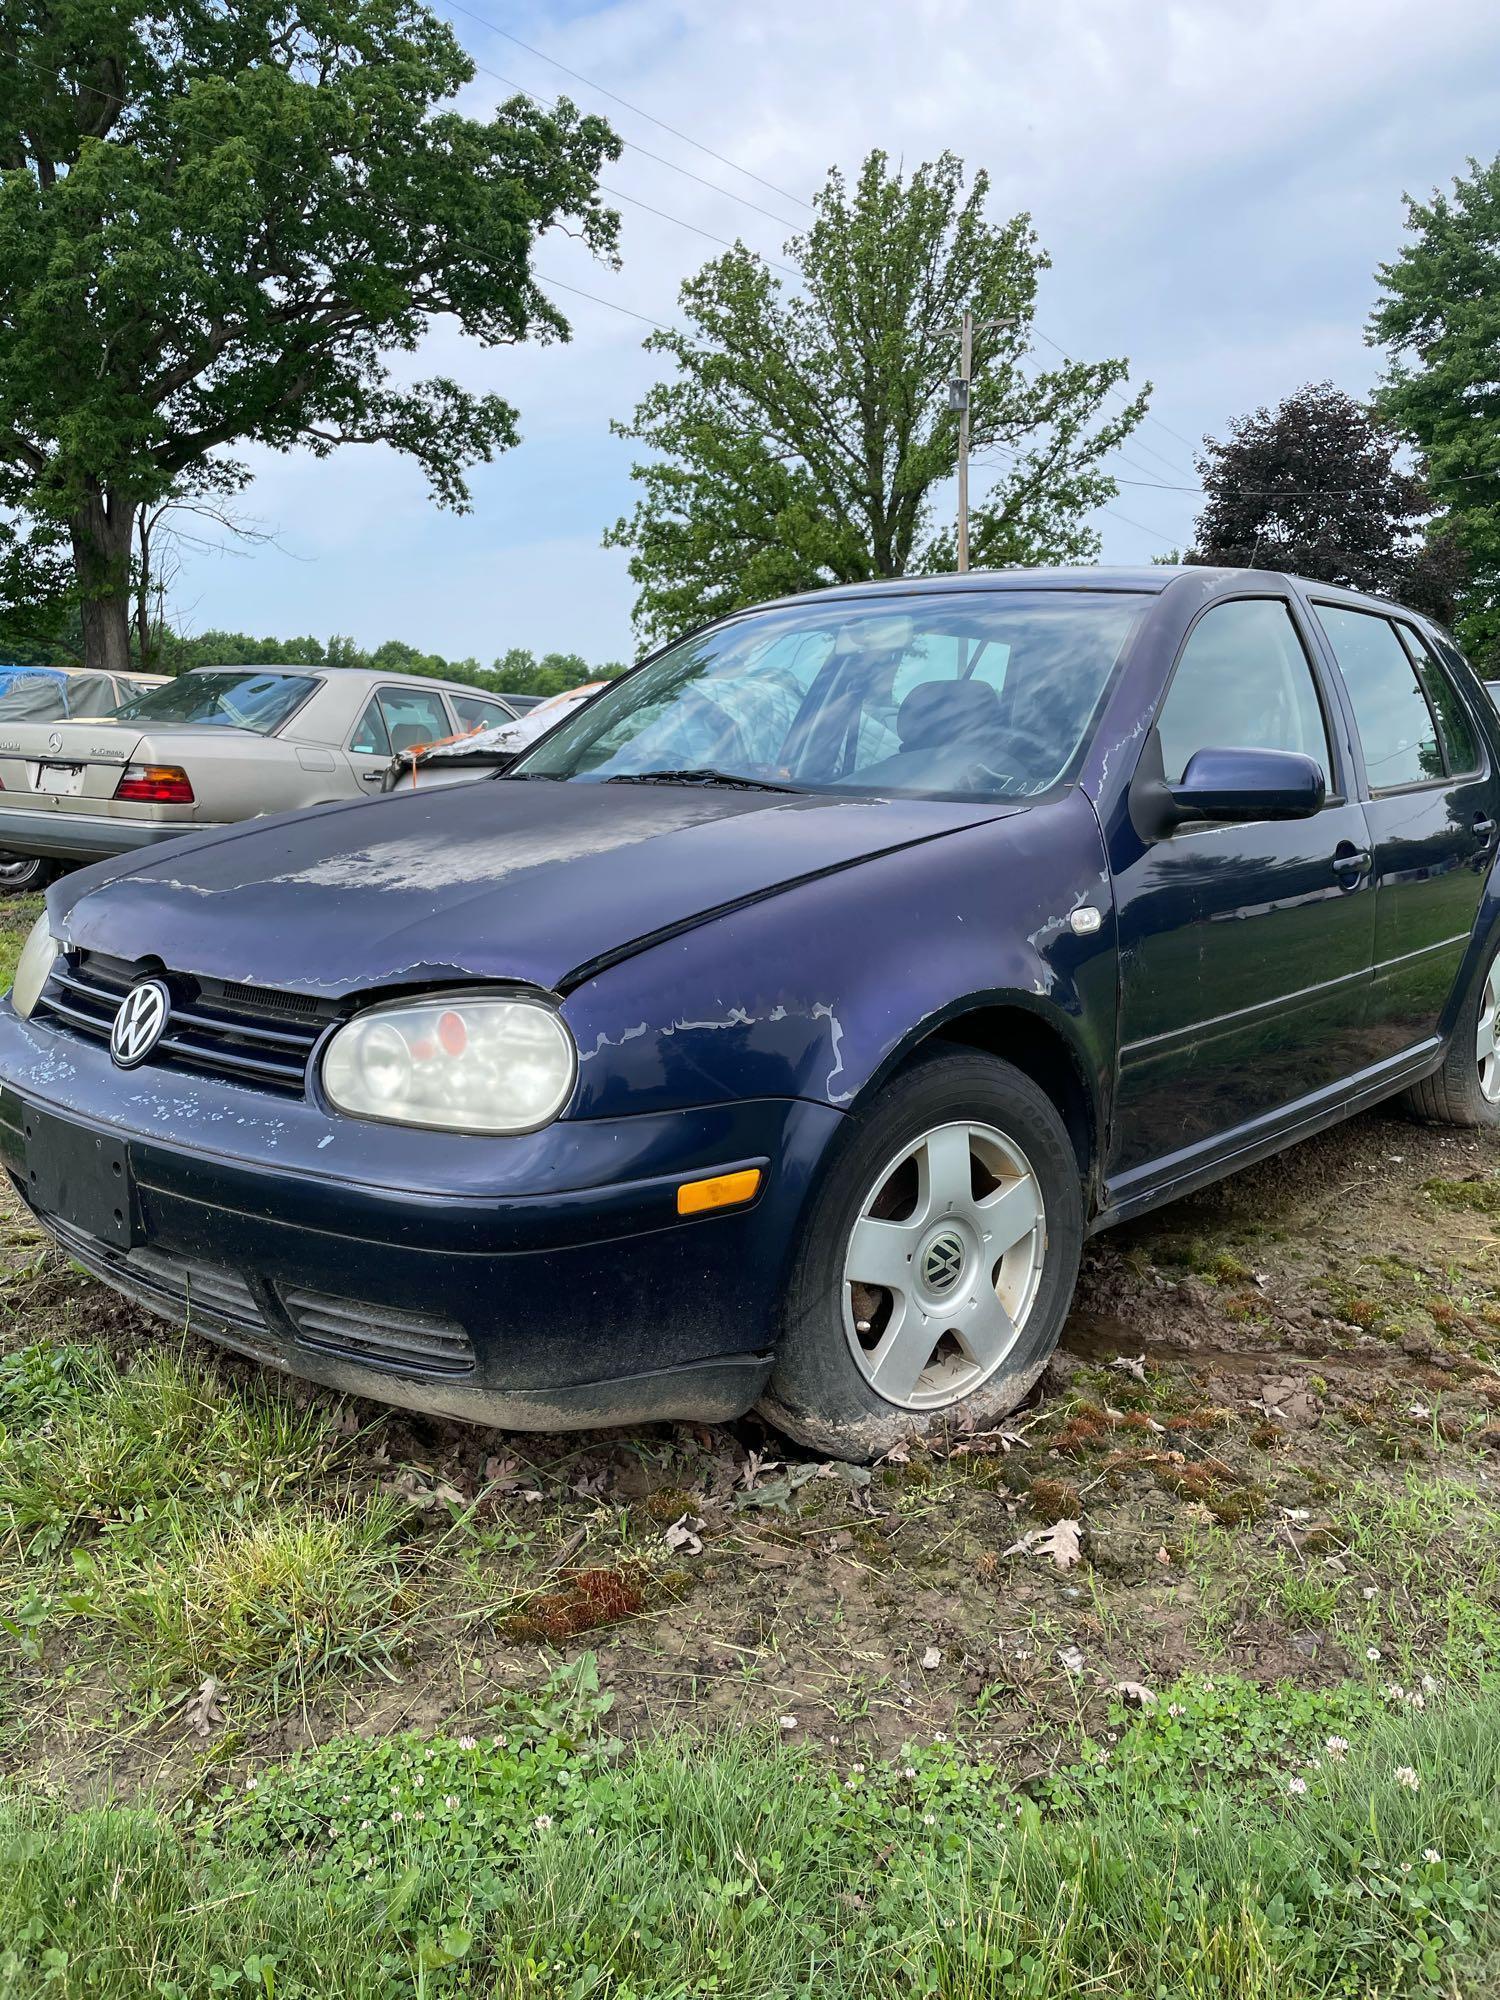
x=974, y=694
x=228, y=698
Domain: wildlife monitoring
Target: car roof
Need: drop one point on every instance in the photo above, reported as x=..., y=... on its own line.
x=349, y=676
x=1149, y=579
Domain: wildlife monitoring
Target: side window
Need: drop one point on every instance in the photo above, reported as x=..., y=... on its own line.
x=1395, y=723
x=1243, y=683
x=474, y=713
x=413, y=716
x=1455, y=729
x=371, y=736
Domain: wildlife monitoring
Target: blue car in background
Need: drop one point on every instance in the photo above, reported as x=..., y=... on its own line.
x=777, y=1029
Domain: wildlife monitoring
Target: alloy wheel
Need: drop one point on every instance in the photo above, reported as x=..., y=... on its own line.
x=1486, y=1034
x=943, y=1265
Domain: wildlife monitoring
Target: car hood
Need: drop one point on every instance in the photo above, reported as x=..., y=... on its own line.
x=511, y=879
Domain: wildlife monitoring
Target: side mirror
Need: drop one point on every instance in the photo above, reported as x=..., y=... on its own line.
x=1247, y=784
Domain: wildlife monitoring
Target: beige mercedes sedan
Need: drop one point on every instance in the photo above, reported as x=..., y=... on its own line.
x=216, y=745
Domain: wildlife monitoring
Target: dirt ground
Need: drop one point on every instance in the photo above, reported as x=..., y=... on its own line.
x=1275, y=1416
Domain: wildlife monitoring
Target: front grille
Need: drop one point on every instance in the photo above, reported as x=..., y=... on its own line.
x=380, y=1335
x=250, y=1034
x=202, y=1297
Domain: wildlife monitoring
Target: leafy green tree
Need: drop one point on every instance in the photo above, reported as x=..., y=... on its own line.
x=518, y=671
x=215, y=225
x=803, y=437
x=1440, y=317
x=521, y=672
x=1313, y=487
x=39, y=613
x=175, y=654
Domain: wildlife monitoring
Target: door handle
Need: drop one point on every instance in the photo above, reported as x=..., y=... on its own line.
x=1351, y=862
x=1482, y=827
x=371, y=777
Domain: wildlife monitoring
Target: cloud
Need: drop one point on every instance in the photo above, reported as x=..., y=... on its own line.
x=1216, y=184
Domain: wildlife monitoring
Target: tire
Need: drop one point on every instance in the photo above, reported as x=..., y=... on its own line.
x=900, y=1171
x=23, y=874
x=1460, y=1093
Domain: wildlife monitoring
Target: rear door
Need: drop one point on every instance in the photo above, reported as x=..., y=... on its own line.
x=1432, y=810
x=394, y=718
x=479, y=711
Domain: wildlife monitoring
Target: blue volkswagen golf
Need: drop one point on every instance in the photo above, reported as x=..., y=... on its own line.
x=777, y=1029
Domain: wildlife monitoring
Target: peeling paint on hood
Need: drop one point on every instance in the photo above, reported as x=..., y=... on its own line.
x=511, y=879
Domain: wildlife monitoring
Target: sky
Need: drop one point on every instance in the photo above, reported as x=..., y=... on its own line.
x=1215, y=182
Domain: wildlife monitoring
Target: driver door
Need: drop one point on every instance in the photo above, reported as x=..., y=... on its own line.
x=1246, y=951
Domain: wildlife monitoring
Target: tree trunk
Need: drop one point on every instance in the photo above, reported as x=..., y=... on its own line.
x=101, y=532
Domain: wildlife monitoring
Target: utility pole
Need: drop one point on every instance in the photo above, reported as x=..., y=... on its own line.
x=958, y=393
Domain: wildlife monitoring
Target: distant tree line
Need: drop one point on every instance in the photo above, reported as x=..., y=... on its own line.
x=518, y=671
x=27, y=641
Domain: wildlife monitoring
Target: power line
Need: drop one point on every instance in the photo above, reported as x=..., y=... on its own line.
x=618, y=194
x=550, y=104
x=1155, y=533
x=615, y=98
x=1114, y=391
x=1155, y=420
x=578, y=292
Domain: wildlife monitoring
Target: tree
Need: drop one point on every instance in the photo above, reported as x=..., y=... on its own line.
x=1440, y=317
x=803, y=437
x=216, y=224
x=520, y=672
x=1313, y=487
x=39, y=616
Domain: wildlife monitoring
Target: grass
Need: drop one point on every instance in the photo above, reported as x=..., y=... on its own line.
x=1288, y=1535
x=17, y=915
x=1210, y=1858
x=177, y=1533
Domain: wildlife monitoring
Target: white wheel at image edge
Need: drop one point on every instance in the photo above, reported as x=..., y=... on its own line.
x=937, y=1263
x=1466, y=1090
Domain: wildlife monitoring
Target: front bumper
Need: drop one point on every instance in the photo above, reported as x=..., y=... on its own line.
x=544, y=1282
x=64, y=836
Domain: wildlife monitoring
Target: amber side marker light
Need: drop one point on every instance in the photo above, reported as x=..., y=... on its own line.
x=721, y=1191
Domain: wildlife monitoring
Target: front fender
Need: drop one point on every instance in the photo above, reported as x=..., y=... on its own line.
x=819, y=991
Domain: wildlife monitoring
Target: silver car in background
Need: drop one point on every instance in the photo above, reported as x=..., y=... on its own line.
x=51, y=694
x=217, y=745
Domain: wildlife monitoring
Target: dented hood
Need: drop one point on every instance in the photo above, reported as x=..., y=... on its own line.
x=510, y=879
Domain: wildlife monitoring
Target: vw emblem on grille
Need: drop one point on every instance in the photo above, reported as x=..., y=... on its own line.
x=54, y=741
x=139, y=1023
x=942, y=1263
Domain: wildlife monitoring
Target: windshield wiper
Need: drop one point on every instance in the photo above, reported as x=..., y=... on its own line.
x=700, y=774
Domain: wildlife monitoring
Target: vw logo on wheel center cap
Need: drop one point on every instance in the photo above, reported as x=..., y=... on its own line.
x=139, y=1024
x=943, y=1262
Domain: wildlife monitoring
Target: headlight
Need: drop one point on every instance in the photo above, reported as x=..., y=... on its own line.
x=462, y=1063
x=38, y=956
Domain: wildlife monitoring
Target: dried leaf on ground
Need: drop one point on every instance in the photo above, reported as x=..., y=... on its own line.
x=777, y=1492
x=1060, y=1541
x=1133, y=1365
x=1137, y=1693
x=683, y=1535
x=757, y=1465
x=933, y=1657
x=202, y=1713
